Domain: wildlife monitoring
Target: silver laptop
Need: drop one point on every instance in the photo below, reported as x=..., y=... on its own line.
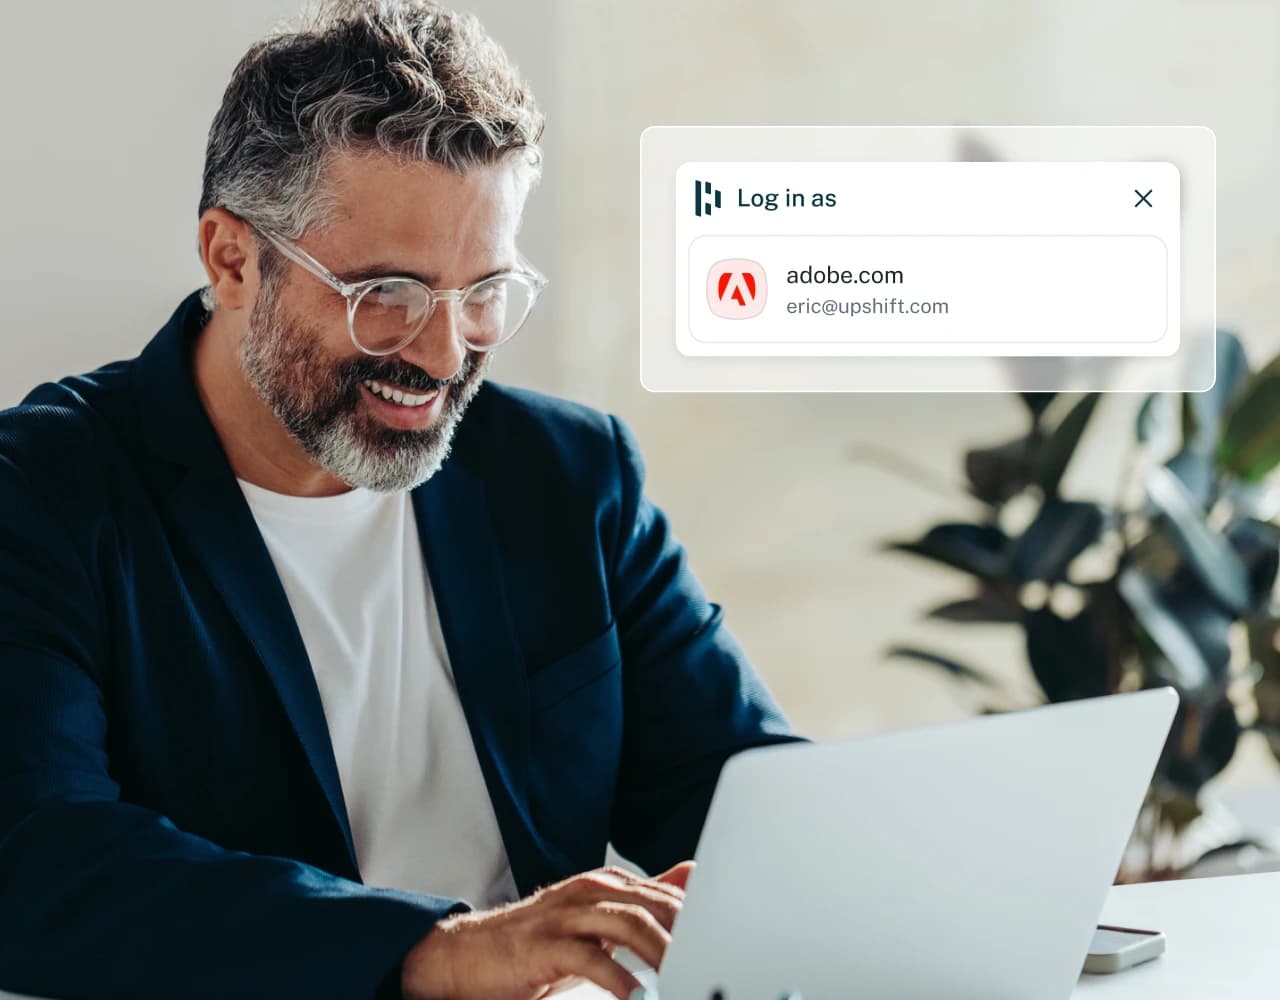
x=965, y=861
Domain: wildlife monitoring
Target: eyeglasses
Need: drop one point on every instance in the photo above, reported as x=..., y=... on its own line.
x=384, y=315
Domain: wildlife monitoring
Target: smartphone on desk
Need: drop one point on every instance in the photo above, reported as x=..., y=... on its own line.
x=1115, y=949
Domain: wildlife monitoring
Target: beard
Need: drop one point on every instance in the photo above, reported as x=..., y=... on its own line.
x=317, y=399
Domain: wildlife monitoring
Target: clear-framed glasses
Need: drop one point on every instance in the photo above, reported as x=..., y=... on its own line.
x=384, y=315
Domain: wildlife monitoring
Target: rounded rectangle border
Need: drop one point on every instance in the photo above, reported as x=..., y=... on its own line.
x=1183, y=363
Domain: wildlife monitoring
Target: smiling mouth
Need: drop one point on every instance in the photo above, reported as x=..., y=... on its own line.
x=398, y=396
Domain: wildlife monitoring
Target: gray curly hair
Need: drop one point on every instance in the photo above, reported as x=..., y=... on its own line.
x=406, y=77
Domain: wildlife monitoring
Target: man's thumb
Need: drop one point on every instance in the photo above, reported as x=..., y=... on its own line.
x=677, y=876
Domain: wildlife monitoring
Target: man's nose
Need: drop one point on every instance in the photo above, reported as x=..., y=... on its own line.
x=438, y=349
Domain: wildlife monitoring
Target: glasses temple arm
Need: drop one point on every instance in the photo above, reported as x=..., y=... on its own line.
x=304, y=260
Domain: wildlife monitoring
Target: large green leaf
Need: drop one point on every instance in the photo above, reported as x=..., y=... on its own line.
x=1204, y=619
x=1250, y=444
x=1060, y=444
x=1069, y=656
x=1187, y=666
x=1061, y=530
x=980, y=549
x=1002, y=471
x=1257, y=543
x=1188, y=628
x=1197, y=472
x=1201, y=743
x=1206, y=550
x=992, y=605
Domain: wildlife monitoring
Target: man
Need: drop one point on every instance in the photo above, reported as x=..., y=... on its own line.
x=309, y=685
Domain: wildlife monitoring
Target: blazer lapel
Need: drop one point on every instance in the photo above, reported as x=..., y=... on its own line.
x=465, y=566
x=219, y=527
x=210, y=513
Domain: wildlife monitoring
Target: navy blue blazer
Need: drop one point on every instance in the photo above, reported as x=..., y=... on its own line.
x=171, y=818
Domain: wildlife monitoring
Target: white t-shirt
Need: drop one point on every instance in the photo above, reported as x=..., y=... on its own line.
x=353, y=571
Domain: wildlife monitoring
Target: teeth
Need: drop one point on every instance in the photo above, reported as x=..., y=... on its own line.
x=399, y=396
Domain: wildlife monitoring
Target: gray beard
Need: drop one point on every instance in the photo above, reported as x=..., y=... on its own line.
x=317, y=400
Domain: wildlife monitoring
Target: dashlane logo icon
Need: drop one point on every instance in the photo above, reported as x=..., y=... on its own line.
x=705, y=197
x=736, y=288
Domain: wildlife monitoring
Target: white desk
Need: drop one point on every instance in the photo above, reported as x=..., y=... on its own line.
x=1222, y=935
x=1222, y=942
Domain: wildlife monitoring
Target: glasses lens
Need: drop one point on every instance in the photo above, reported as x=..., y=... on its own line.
x=494, y=311
x=389, y=313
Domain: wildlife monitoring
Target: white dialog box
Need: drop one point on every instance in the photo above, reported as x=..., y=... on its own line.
x=930, y=259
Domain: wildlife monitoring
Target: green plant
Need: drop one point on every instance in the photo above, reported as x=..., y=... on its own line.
x=1146, y=590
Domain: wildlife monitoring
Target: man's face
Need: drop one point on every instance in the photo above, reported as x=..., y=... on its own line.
x=389, y=218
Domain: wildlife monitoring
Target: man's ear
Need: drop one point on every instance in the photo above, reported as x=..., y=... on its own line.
x=230, y=258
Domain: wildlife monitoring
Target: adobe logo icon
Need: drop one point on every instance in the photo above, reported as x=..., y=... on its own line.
x=736, y=288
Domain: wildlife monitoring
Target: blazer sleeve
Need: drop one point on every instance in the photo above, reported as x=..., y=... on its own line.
x=691, y=700
x=100, y=898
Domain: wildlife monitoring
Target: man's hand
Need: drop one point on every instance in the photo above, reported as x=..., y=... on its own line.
x=560, y=935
